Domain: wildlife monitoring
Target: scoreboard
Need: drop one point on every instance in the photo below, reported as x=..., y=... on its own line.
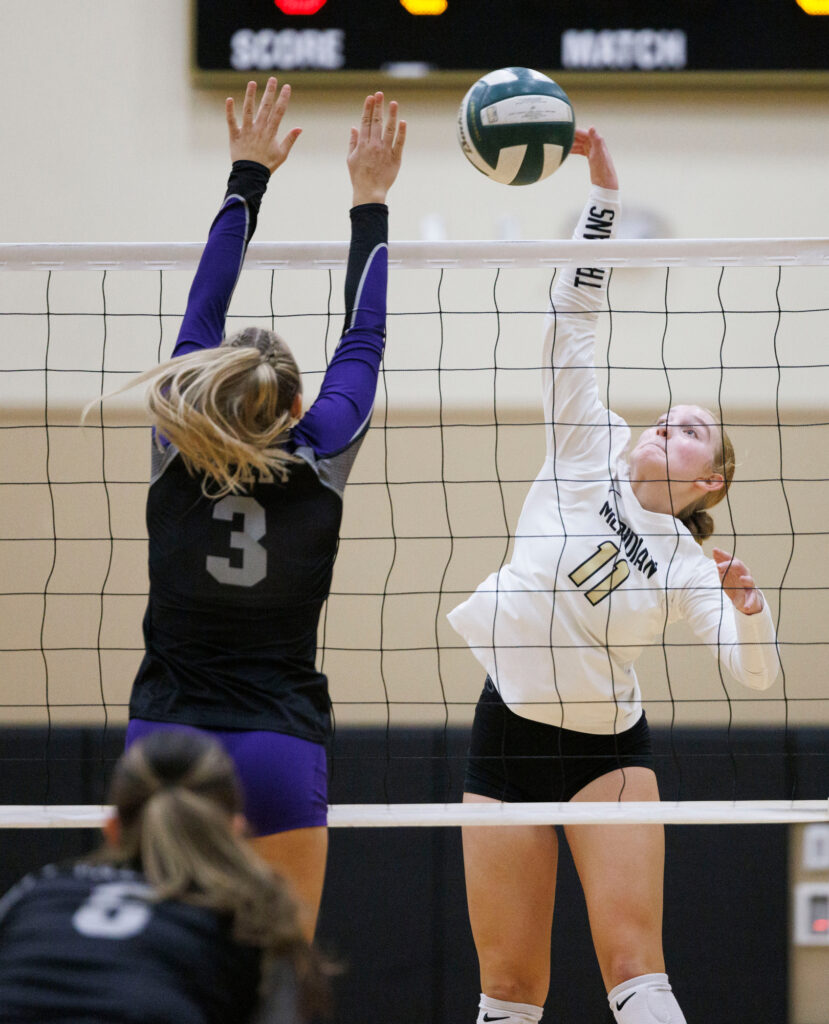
x=438, y=41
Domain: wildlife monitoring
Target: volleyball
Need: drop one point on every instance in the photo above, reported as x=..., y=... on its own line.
x=516, y=126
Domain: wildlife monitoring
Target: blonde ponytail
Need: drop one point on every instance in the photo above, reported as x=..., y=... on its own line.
x=228, y=410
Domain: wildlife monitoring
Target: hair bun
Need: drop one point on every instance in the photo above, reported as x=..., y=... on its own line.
x=700, y=524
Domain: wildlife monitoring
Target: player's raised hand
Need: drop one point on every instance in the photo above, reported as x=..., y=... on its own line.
x=256, y=138
x=590, y=144
x=738, y=583
x=375, y=151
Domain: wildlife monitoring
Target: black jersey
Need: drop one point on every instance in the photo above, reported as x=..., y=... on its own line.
x=230, y=630
x=87, y=944
x=237, y=583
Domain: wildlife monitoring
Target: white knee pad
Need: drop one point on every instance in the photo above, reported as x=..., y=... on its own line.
x=647, y=999
x=492, y=1010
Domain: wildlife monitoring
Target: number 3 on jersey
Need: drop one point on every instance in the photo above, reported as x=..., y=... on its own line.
x=254, y=562
x=590, y=566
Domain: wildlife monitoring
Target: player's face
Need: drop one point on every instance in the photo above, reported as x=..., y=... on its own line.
x=680, y=446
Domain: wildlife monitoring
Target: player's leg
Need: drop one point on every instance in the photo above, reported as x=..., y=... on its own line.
x=510, y=886
x=285, y=783
x=511, y=870
x=621, y=872
x=621, y=869
x=299, y=856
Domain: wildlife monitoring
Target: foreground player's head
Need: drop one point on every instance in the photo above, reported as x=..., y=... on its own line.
x=228, y=410
x=178, y=821
x=684, y=464
x=166, y=787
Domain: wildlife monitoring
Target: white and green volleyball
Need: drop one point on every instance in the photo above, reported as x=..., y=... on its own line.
x=516, y=125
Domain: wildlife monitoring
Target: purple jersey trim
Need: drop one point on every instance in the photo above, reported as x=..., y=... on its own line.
x=284, y=778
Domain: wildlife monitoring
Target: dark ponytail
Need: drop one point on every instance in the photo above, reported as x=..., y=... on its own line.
x=699, y=523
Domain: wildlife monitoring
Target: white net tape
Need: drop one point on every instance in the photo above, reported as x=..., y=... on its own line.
x=684, y=812
x=689, y=252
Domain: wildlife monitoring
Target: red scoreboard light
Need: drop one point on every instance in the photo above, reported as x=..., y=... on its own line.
x=300, y=6
x=312, y=6
x=375, y=42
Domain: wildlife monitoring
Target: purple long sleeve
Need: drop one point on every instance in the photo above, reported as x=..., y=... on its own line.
x=221, y=262
x=342, y=410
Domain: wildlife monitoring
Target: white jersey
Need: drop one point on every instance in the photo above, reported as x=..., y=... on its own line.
x=595, y=577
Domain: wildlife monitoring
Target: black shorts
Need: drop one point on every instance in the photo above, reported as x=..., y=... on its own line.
x=515, y=759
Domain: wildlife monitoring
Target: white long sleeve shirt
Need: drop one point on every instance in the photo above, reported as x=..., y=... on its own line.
x=595, y=577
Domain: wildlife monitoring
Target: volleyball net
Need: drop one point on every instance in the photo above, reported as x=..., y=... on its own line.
x=738, y=326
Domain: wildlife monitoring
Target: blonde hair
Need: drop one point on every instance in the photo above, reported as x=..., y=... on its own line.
x=176, y=795
x=695, y=517
x=228, y=410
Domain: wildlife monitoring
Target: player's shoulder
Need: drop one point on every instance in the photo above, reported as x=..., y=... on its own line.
x=693, y=573
x=78, y=873
x=693, y=555
x=86, y=872
x=73, y=876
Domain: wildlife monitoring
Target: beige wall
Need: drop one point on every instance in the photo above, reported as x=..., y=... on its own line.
x=100, y=117
x=106, y=139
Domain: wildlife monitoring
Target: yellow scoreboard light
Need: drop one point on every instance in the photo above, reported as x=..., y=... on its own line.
x=814, y=6
x=425, y=6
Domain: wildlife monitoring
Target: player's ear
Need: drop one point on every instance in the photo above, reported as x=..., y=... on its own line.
x=239, y=826
x=296, y=406
x=713, y=482
x=112, y=831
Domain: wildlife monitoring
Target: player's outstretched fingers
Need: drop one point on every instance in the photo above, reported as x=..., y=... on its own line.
x=723, y=559
x=230, y=114
x=279, y=107
x=267, y=101
x=400, y=141
x=288, y=142
x=248, y=104
x=365, y=120
x=377, y=115
x=391, y=123
x=580, y=142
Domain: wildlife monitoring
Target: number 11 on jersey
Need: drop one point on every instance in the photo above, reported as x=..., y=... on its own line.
x=602, y=555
